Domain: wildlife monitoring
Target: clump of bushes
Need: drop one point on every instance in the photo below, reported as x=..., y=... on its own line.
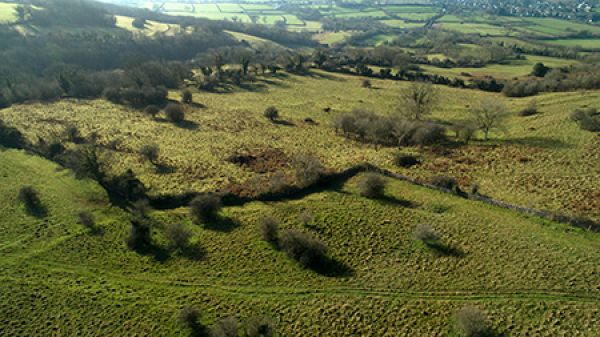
x=270, y=230
x=470, y=321
x=371, y=186
x=31, y=199
x=368, y=127
x=405, y=160
x=174, y=113
x=588, y=119
x=271, y=113
x=307, y=250
x=226, y=327
x=367, y=84
x=205, y=208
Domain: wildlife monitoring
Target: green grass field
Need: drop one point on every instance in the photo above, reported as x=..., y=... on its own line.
x=532, y=277
x=557, y=173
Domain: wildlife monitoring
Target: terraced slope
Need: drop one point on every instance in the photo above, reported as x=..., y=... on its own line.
x=532, y=277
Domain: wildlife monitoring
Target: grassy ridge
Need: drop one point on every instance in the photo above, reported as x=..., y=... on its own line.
x=531, y=276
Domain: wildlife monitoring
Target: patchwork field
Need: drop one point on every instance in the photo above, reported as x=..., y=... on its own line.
x=531, y=277
x=556, y=160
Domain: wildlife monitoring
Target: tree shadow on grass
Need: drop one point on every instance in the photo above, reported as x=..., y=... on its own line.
x=36, y=210
x=443, y=249
x=393, y=201
x=283, y=122
x=158, y=253
x=192, y=252
x=164, y=168
x=331, y=267
x=188, y=125
x=222, y=224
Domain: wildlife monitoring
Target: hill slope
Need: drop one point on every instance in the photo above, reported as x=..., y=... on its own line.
x=532, y=277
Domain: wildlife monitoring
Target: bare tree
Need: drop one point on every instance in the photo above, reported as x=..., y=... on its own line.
x=489, y=114
x=418, y=100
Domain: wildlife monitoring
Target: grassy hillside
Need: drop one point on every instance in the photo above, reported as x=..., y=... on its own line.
x=544, y=161
x=532, y=277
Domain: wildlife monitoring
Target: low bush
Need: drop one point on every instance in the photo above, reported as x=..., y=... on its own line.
x=308, y=169
x=587, y=119
x=367, y=84
x=445, y=182
x=205, y=208
x=405, y=160
x=425, y=233
x=471, y=322
x=178, y=236
x=307, y=250
x=260, y=327
x=270, y=230
x=150, y=152
x=271, y=113
x=226, y=327
x=189, y=317
x=371, y=186
x=152, y=110
x=174, y=113
x=186, y=97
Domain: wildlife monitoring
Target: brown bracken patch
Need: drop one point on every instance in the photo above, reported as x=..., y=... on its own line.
x=261, y=160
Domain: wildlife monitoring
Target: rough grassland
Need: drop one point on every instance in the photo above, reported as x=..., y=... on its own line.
x=532, y=277
x=544, y=161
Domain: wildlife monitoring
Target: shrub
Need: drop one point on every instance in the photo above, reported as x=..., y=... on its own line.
x=205, y=208
x=588, y=119
x=189, y=317
x=308, y=169
x=226, y=327
x=178, y=236
x=150, y=152
x=30, y=198
x=278, y=183
x=271, y=113
x=140, y=235
x=260, y=327
x=530, y=109
x=307, y=250
x=270, y=230
x=405, y=160
x=72, y=134
x=187, y=97
x=367, y=84
x=87, y=221
x=139, y=23
x=471, y=322
x=174, y=113
x=444, y=182
x=371, y=186
x=425, y=233
x=152, y=110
